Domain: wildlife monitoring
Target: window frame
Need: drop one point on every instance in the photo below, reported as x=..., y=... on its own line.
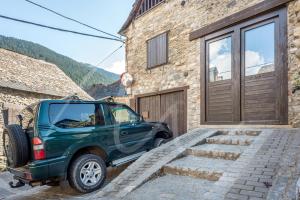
x=167, y=51
x=208, y=42
x=243, y=43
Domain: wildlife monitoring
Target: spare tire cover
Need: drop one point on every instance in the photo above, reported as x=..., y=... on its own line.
x=17, y=148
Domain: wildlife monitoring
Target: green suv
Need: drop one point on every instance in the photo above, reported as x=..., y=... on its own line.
x=77, y=140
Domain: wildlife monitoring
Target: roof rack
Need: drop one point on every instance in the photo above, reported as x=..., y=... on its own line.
x=71, y=97
x=107, y=99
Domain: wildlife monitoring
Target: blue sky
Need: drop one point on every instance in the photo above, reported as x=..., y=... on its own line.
x=106, y=15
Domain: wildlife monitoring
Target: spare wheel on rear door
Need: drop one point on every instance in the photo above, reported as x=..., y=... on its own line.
x=16, y=146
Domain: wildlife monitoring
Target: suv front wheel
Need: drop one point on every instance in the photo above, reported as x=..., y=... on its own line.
x=159, y=141
x=87, y=173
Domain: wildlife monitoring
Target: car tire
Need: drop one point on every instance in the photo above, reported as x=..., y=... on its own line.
x=159, y=141
x=17, y=148
x=87, y=173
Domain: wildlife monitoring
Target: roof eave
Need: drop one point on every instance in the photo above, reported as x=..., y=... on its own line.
x=131, y=16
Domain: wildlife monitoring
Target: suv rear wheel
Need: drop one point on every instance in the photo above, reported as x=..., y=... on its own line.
x=87, y=173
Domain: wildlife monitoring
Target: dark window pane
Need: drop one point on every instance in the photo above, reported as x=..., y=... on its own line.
x=123, y=114
x=148, y=5
x=260, y=50
x=157, y=49
x=72, y=115
x=220, y=60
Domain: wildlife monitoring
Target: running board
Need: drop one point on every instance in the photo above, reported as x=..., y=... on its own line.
x=127, y=159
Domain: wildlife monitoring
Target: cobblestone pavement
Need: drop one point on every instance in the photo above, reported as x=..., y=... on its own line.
x=46, y=192
x=253, y=165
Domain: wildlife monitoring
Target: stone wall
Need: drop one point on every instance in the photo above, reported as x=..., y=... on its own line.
x=294, y=61
x=2, y=158
x=184, y=55
x=124, y=100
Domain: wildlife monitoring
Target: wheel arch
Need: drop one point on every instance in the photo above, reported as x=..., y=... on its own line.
x=162, y=134
x=92, y=149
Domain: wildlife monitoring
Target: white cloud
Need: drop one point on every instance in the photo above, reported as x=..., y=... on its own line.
x=253, y=62
x=216, y=47
x=223, y=64
x=254, y=58
x=117, y=67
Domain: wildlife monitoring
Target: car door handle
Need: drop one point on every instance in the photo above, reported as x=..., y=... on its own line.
x=124, y=133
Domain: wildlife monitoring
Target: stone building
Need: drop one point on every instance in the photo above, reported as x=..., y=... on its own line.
x=25, y=80
x=198, y=62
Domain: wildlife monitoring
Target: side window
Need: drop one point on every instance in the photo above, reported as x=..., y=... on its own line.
x=123, y=114
x=72, y=115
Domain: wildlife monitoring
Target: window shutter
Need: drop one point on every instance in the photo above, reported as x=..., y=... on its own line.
x=157, y=50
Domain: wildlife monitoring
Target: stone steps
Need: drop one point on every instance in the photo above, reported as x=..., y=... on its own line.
x=222, y=151
x=245, y=132
x=243, y=140
x=198, y=167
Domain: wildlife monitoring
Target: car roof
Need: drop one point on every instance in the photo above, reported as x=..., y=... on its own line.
x=80, y=102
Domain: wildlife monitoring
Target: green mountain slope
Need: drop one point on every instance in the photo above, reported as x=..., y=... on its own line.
x=75, y=70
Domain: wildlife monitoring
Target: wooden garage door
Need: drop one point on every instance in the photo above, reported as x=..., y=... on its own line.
x=166, y=106
x=245, y=72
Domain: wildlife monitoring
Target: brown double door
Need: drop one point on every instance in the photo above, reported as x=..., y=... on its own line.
x=166, y=106
x=245, y=72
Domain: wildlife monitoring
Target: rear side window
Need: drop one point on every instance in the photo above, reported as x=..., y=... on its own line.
x=73, y=115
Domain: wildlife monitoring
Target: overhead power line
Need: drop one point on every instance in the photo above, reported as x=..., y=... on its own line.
x=109, y=55
x=60, y=29
x=74, y=20
x=90, y=74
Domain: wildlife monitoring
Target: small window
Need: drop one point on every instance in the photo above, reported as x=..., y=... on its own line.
x=148, y=5
x=73, y=115
x=123, y=114
x=157, y=50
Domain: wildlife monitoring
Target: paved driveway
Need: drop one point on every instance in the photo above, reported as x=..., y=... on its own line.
x=45, y=192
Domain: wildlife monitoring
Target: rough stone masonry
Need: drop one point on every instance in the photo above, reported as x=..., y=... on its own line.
x=183, y=68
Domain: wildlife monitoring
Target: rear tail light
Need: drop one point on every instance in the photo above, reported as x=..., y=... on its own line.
x=38, y=149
